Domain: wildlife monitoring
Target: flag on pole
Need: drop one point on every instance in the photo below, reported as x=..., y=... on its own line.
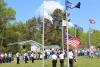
x=49, y=18
x=71, y=5
x=92, y=21
x=73, y=41
x=78, y=27
x=64, y=23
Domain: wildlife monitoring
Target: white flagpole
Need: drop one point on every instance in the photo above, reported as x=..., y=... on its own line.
x=67, y=38
x=43, y=36
x=62, y=38
x=63, y=24
x=67, y=43
x=75, y=32
x=89, y=36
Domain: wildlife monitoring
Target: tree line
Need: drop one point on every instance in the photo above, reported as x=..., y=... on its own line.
x=32, y=29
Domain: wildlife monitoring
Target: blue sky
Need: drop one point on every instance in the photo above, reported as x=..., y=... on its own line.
x=26, y=9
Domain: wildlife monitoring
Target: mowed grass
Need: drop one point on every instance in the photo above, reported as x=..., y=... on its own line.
x=81, y=62
x=37, y=63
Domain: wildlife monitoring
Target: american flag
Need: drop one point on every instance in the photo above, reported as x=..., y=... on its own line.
x=73, y=41
x=92, y=21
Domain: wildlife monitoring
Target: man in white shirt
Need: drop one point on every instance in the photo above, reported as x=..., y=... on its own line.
x=32, y=57
x=54, y=59
x=61, y=57
x=26, y=57
x=71, y=57
x=17, y=55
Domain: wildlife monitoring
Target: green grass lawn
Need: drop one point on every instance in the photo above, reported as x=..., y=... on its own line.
x=81, y=62
x=37, y=63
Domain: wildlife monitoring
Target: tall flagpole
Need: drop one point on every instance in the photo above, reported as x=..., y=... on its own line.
x=67, y=38
x=62, y=38
x=75, y=32
x=43, y=36
x=67, y=44
x=89, y=36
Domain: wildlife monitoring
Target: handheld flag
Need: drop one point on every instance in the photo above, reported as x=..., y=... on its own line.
x=71, y=5
x=73, y=41
x=92, y=21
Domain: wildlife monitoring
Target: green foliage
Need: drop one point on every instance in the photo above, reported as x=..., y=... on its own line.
x=6, y=15
x=95, y=37
x=27, y=47
x=32, y=29
x=14, y=48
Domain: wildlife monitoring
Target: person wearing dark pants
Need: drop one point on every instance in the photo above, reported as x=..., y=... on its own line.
x=17, y=55
x=71, y=57
x=54, y=59
x=54, y=63
x=61, y=57
x=26, y=57
x=32, y=57
x=17, y=60
x=71, y=62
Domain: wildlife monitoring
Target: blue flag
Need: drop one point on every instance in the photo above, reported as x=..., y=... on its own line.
x=71, y=5
x=78, y=27
x=69, y=37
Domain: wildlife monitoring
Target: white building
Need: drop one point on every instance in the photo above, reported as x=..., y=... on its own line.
x=35, y=46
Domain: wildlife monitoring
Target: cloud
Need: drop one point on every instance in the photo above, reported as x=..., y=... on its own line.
x=48, y=7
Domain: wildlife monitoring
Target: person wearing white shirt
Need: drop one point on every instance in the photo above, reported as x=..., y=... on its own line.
x=17, y=55
x=61, y=57
x=71, y=57
x=26, y=57
x=32, y=57
x=54, y=59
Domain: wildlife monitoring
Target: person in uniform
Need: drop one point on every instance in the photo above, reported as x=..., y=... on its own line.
x=54, y=59
x=32, y=57
x=26, y=57
x=17, y=56
x=61, y=57
x=71, y=57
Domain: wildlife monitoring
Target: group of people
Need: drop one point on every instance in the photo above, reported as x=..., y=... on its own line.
x=5, y=57
x=28, y=56
x=52, y=54
x=9, y=57
x=61, y=57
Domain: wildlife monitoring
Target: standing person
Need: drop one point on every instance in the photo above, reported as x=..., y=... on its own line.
x=17, y=56
x=41, y=56
x=6, y=57
x=10, y=57
x=71, y=57
x=26, y=57
x=2, y=57
x=91, y=52
x=32, y=57
x=54, y=59
x=61, y=57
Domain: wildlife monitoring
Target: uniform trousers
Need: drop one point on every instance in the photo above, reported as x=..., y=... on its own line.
x=54, y=63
